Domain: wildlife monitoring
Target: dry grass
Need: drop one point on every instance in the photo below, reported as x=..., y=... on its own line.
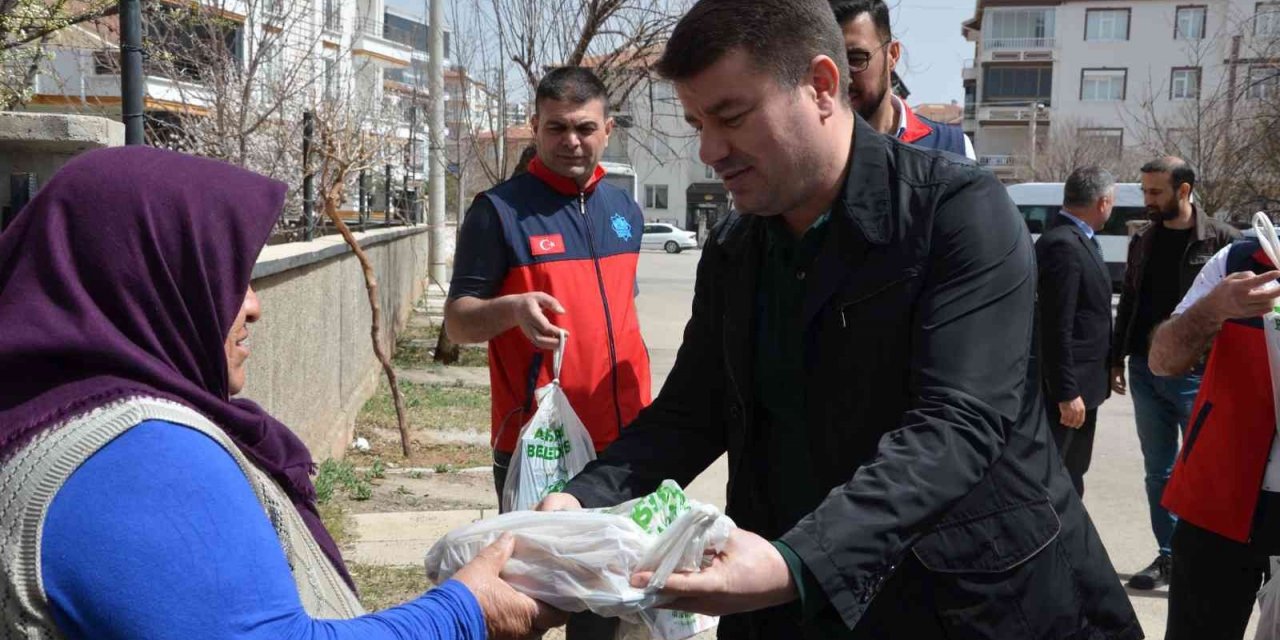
x=383, y=587
x=448, y=425
x=416, y=345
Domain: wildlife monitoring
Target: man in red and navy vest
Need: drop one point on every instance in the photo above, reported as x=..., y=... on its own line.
x=873, y=54
x=1225, y=487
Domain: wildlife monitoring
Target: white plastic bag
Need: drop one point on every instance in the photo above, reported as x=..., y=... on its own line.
x=583, y=560
x=1269, y=605
x=1271, y=329
x=554, y=446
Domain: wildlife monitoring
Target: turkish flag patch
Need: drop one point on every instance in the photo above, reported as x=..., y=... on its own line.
x=546, y=245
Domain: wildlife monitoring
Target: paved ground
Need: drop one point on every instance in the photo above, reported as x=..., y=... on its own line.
x=1114, y=494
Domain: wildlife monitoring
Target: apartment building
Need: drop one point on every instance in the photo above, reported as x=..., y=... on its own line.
x=1106, y=74
x=312, y=49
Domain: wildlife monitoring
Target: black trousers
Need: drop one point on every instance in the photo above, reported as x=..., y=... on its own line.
x=1075, y=445
x=582, y=626
x=1214, y=584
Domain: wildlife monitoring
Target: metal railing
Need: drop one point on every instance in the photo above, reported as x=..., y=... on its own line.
x=995, y=44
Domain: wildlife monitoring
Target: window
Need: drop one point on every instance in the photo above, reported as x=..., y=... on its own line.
x=1109, y=143
x=406, y=32
x=330, y=79
x=1018, y=29
x=1102, y=85
x=655, y=196
x=1106, y=25
x=1184, y=83
x=1266, y=19
x=1189, y=24
x=1263, y=82
x=708, y=172
x=1017, y=84
x=333, y=15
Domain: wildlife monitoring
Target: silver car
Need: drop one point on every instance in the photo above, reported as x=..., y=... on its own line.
x=670, y=238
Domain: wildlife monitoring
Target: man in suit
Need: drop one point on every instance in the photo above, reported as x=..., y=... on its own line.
x=1075, y=316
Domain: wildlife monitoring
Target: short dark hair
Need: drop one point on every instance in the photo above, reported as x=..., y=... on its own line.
x=1086, y=185
x=1177, y=168
x=781, y=36
x=577, y=85
x=847, y=10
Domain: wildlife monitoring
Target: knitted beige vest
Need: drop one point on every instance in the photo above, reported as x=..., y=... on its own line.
x=32, y=476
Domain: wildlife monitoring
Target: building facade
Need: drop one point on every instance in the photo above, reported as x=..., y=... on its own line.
x=1107, y=79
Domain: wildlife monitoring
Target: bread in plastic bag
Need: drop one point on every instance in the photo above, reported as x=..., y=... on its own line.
x=583, y=560
x=553, y=447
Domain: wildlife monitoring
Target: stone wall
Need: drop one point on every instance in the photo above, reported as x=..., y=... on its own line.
x=311, y=360
x=40, y=143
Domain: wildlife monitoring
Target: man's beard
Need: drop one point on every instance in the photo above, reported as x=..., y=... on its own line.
x=1163, y=214
x=869, y=107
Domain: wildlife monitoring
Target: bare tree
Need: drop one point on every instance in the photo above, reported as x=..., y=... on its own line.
x=514, y=42
x=353, y=136
x=26, y=29
x=1076, y=143
x=1217, y=114
x=240, y=86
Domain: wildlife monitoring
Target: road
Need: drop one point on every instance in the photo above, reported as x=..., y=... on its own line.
x=1114, y=492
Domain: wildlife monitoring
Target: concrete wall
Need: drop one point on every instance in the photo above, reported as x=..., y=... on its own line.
x=312, y=363
x=41, y=143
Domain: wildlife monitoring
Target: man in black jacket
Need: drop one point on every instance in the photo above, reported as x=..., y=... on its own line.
x=1075, y=316
x=860, y=345
x=1164, y=259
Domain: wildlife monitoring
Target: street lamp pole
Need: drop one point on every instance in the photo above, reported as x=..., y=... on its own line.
x=435, y=140
x=131, y=92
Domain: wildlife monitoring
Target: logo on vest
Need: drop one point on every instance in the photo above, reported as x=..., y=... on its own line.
x=621, y=227
x=546, y=245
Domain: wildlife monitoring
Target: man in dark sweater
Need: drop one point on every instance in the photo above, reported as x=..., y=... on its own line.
x=1164, y=259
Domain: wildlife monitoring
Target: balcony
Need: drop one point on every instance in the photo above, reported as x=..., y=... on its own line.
x=1011, y=113
x=370, y=43
x=968, y=72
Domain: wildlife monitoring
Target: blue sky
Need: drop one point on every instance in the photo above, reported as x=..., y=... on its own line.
x=934, y=49
x=928, y=29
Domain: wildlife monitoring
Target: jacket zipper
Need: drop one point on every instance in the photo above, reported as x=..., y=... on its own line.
x=907, y=275
x=604, y=298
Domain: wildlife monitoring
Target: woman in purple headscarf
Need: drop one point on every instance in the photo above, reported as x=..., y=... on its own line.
x=137, y=498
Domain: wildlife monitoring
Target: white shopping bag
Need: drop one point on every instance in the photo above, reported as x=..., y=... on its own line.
x=1271, y=329
x=583, y=560
x=1269, y=605
x=553, y=447
x=1269, y=595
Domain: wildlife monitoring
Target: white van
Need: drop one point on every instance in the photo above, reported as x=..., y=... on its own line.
x=1040, y=201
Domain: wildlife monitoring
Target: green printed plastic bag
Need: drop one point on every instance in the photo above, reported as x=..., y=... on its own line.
x=553, y=447
x=584, y=560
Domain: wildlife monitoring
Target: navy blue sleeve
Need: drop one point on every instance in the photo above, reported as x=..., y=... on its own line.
x=159, y=535
x=480, y=262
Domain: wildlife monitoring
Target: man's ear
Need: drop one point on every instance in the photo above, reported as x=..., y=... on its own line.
x=533, y=123
x=608, y=126
x=894, y=52
x=824, y=74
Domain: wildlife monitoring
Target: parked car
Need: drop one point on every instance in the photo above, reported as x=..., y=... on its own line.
x=671, y=239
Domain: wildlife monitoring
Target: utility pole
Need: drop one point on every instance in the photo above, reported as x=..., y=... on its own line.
x=131, y=91
x=435, y=221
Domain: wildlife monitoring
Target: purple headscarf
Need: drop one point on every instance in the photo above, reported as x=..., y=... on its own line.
x=123, y=277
